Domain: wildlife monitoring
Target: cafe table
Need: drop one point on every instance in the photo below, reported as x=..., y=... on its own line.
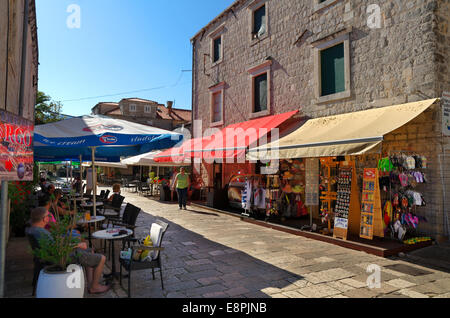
x=91, y=220
x=112, y=235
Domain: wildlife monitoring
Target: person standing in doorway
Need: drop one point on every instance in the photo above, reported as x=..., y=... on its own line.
x=181, y=182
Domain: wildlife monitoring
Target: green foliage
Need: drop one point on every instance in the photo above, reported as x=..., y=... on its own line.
x=46, y=110
x=58, y=249
x=19, y=193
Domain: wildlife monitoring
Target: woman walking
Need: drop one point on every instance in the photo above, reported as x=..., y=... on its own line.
x=182, y=184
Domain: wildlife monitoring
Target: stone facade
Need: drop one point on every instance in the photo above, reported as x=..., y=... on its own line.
x=13, y=78
x=405, y=59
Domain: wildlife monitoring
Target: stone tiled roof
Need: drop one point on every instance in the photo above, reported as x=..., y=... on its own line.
x=176, y=114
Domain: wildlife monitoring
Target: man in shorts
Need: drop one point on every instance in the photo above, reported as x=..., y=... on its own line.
x=93, y=262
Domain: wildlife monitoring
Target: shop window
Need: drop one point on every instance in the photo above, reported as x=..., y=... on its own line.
x=332, y=69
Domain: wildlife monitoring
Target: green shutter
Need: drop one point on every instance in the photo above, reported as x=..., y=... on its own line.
x=333, y=70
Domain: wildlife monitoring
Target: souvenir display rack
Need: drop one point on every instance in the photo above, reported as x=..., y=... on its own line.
x=328, y=197
x=371, y=214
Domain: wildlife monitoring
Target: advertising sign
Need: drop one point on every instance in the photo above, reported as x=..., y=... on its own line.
x=446, y=114
x=16, y=148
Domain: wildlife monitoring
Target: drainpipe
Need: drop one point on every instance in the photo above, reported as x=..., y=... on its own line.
x=3, y=227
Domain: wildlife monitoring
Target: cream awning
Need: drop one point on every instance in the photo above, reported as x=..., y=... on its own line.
x=147, y=159
x=347, y=134
x=105, y=164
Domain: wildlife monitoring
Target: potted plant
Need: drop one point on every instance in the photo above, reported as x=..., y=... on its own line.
x=62, y=278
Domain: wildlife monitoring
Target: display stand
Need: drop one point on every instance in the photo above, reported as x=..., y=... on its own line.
x=328, y=196
x=371, y=215
x=347, y=206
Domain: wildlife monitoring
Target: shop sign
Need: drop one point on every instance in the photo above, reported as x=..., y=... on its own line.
x=16, y=148
x=341, y=223
x=446, y=114
x=312, y=182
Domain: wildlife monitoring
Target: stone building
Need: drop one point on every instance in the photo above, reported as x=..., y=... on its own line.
x=329, y=57
x=146, y=112
x=18, y=57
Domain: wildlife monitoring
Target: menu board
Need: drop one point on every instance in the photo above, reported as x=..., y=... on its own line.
x=16, y=148
x=312, y=182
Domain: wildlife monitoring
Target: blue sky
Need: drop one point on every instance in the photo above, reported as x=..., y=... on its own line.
x=121, y=46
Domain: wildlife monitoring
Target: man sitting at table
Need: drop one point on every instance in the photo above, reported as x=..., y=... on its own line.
x=116, y=190
x=93, y=262
x=58, y=206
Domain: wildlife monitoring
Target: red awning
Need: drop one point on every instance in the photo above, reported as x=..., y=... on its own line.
x=230, y=142
x=233, y=140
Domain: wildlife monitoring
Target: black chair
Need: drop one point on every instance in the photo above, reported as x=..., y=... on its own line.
x=113, y=207
x=153, y=261
x=38, y=264
x=128, y=220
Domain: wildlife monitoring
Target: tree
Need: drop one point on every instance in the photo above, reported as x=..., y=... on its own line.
x=46, y=110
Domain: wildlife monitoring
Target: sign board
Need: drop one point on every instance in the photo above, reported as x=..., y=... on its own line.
x=340, y=223
x=312, y=182
x=446, y=114
x=16, y=148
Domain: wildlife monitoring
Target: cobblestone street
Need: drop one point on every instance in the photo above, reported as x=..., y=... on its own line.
x=209, y=254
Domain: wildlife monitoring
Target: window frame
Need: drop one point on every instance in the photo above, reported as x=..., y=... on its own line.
x=253, y=7
x=318, y=48
x=264, y=68
x=322, y=5
x=131, y=107
x=218, y=33
x=149, y=109
x=213, y=90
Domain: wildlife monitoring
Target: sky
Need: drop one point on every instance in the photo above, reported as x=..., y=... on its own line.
x=117, y=46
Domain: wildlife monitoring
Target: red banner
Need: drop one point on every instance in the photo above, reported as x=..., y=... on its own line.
x=16, y=148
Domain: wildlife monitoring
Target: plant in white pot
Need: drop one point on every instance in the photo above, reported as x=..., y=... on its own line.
x=63, y=278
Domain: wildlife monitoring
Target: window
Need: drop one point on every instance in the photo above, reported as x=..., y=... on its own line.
x=217, y=107
x=133, y=108
x=260, y=89
x=217, y=54
x=260, y=93
x=321, y=4
x=217, y=104
x=147, y=109
x=332, y=68
x=259, y=22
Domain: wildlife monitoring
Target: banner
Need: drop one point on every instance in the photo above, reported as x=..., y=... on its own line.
x=16, y=148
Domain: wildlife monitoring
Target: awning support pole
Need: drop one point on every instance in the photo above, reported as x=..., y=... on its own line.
x=94, y=182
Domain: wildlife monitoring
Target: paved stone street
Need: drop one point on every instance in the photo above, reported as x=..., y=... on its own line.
x=210, y=254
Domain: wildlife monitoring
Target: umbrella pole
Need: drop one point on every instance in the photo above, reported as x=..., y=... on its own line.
x=94, y=182
x=3, y=227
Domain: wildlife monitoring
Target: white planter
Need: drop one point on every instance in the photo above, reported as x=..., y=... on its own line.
x=69, y=284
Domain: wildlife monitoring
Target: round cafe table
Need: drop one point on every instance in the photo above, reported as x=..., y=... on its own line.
x=94, y=219
x=112, y=235
x=90, y=205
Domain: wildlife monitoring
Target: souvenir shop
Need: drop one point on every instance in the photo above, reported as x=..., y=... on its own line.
x=373, y=192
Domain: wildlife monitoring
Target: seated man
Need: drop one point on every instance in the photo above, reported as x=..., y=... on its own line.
x=93, y=263
x=116, y=190
x=58, y=206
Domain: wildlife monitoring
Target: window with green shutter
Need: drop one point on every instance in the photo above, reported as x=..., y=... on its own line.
x=260, y=94
x=332, y=70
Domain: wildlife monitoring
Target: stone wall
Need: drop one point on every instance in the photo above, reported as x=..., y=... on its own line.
x=390, y=65
x=11, y=35
x=405, y=60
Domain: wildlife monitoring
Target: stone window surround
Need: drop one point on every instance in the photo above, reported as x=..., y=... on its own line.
x=213, y=36
x=147, y=109
x=319, y=6
x=132, y=108
x=265, y=67
x=252, y=7
x=344, y=38
x=218, y=88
